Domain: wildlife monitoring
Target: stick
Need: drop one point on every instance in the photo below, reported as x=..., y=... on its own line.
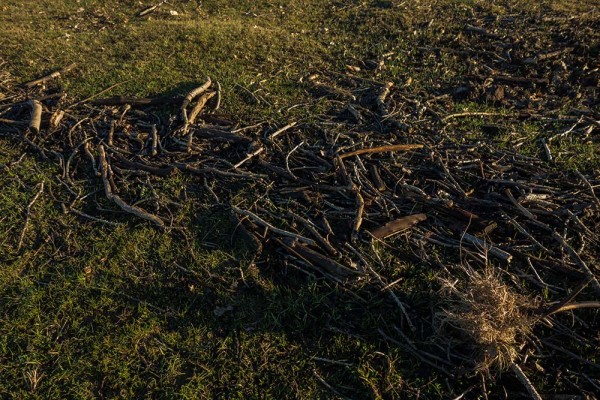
x=385, y=91
x=589, y=185
x=578, y=260
x=46, y=78
x=501, y=254
x=133, y=101
x=249, y=156
x=382, y=149
x=280, y=131
x=398, y=225
x=191, y=95
x=311, y=228
x=154, y=150
x=36, y=116
x=28, y=213
x=330, y=266
x=137, y=211
x=267, y=225
x=218, y=104
x=525, y=381
x=360, y=208
x=575, y=306
x=200, y=105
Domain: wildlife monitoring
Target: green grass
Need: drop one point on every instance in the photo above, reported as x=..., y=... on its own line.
x=96, y=311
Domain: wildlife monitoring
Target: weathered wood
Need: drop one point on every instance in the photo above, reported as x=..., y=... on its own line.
x=36, y=116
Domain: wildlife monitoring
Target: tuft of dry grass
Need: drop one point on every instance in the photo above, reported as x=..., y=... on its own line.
x=494, y=319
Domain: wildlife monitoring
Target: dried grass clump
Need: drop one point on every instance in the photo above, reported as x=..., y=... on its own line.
x=494, y=318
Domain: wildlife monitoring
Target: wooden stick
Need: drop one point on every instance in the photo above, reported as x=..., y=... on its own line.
x=501, y=254
x=218, y=104
x=586, y=270
x=249, y=156
x=267, y=225
x=137, y=211
x=525, y=381
x=311, y=228
x=360, y=208
x=46, y=78
x=28, y=214
x=133, y=101
x=398, y=225
x=154, y=150
x=576, y=306
x=280, y=131
x=191, y=95
x=385, y=91
x=36, y=116
x=315, y=258
x=382, y=149
x=200, y=105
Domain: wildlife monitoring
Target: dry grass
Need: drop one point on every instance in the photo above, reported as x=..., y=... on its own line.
x=494, y=319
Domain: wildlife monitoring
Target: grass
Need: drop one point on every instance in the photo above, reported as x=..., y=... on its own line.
x=95, y=311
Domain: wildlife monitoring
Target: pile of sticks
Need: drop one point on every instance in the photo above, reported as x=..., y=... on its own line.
x=329, y=197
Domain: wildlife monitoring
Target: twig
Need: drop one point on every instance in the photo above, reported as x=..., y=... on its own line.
x=311, y=228
x=525, y=381
x=249, y=156
x=589, y=185
x=267, y=225
x=218, y=103
x=501, y=254
x=154, y=150
x=382, y=149
x=28, y=214
x=578, y=260
x=281, y=130
x=46, y=78
x=137, y=211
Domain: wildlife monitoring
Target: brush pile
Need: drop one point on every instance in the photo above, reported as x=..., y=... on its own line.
x=380, y=172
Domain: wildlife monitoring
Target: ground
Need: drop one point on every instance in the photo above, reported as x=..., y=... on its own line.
x=126, y=310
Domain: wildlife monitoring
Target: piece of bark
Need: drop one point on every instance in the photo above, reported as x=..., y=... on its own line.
x=51, y=76
x=398, y=225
